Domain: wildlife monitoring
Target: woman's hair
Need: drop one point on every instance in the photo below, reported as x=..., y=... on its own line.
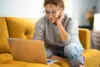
x=59, y=3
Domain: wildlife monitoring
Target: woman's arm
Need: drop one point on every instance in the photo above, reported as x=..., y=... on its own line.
x=39, y=31
x=62, y=31
x=68, y=32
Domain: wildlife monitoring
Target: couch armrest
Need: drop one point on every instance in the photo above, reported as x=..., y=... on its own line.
x=84, y=36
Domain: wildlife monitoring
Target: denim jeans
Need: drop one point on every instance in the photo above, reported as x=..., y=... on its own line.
x=70, y=52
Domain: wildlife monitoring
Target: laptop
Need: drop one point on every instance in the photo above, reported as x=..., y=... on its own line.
x=29, y=51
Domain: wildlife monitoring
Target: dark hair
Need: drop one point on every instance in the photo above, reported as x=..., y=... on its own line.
x=54, y=2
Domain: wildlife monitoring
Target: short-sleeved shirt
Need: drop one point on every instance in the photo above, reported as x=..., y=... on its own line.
x=49, y=33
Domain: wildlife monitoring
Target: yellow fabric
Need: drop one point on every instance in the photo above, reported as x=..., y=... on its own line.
x=22, y=64
x=84, y=35
x=4, y=46
x=92, y=58
x=27, y=64
x=21, y=27
x=63, y=63
x=5, y=58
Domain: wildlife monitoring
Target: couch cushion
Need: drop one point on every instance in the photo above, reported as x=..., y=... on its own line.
x=92, y=58
x=21, y=27
x=84, y=36
x=4, y=46
x=5, y=58
x=28, y=65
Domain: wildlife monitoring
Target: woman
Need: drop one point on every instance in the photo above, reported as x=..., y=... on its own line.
x=59, y=33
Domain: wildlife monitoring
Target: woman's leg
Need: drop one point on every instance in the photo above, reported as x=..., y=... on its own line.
x=74, y=56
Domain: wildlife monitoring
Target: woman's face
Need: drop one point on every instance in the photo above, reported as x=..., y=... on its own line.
x=52, y=12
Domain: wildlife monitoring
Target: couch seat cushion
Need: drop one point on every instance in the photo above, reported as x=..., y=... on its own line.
x=5, y=58
x=92, y=58
x=28, y=64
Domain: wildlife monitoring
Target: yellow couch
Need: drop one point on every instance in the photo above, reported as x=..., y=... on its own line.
x=24, y=28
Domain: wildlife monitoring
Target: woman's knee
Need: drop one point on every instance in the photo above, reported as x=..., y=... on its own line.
x=73, y=55
x=71, y=52
x=69, y=49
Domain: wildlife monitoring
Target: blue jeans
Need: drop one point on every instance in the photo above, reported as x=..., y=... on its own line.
x=70, y=52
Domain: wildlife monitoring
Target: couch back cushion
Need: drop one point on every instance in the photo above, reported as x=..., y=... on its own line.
x=84, y=36
x=21, y=27
x=4, y=46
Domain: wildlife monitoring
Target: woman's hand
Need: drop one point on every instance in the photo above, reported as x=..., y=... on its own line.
x=60, y=19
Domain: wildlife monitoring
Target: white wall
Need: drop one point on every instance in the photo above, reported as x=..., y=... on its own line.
x=34, y=8
x=24, y=8
x=77, y=8
x=96, y=22
x=21, y=8
x=98, y=6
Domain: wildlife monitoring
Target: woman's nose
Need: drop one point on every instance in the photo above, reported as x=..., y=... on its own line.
x=50, y=15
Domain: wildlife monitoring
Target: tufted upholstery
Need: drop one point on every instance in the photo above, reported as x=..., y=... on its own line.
x=24, y=28
x=21, y=28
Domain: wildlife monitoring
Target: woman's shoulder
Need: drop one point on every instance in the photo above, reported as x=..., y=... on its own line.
x=67, y=17
x=67, y=20
x=41, y=21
